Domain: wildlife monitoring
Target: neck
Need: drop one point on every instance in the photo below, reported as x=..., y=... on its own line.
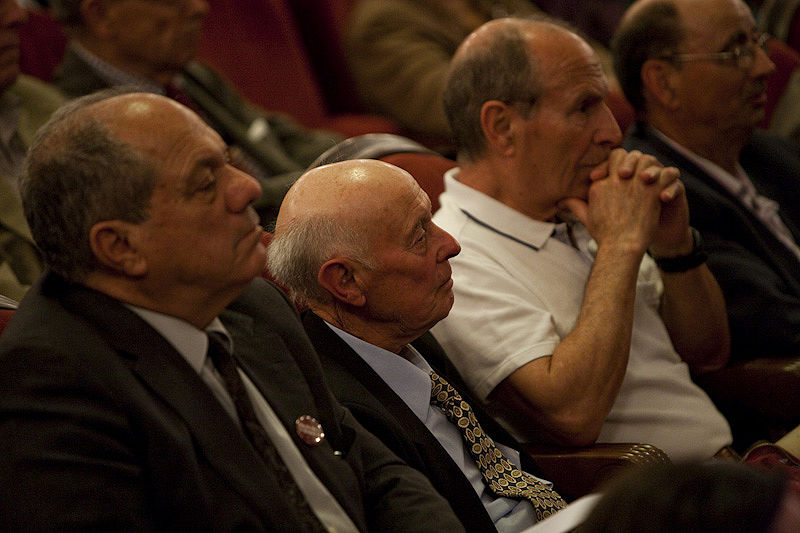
x=112, y=56
x=500, y=182
x=720, y=147
x=374, y=333
x=198, y=308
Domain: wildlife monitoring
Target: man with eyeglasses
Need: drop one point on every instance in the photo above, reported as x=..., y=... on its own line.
x=696, y=72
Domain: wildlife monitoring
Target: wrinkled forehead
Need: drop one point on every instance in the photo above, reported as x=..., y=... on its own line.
x=389, y=205
x=568, y=64
x=394, y=201
x=172, y=137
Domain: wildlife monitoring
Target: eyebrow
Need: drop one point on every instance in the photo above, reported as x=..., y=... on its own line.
x=591, y=95
x=739, y=37
x=418, y=225
x=207, y=161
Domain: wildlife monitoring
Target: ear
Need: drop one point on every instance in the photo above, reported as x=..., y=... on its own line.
x=341, y=278
x=659, y=79
x=113, y=245
x=96, y=17
x=497, y=124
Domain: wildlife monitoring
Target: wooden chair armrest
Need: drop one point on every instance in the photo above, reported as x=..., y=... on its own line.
x=576, y=472
x=760, y=398
x=767, y=386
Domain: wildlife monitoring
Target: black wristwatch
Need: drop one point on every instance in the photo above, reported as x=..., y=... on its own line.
x=693, y=259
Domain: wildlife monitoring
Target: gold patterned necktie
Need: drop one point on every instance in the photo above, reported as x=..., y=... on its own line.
x=501, y=476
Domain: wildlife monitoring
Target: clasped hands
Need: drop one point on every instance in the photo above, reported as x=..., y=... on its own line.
x=635, y=204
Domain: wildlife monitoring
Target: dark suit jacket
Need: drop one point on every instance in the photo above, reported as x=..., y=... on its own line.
x=282, y=153
x=759, y=276
x=104, y=426
x=386, y=416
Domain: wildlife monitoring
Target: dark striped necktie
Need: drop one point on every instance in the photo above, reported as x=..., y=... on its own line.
x=226, y=366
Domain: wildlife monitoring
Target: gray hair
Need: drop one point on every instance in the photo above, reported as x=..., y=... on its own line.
x=650, y=32
x=501, y=70
x=296, y=255
x=77, y=173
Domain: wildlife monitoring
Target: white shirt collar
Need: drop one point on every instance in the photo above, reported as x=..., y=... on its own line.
x=735, y=183
x=189, y=341
x=408, y=378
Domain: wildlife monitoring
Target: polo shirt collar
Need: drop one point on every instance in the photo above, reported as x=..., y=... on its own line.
x=495, y=215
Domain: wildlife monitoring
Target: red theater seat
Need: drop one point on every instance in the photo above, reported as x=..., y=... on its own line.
x=256, y=45
x=42, y=43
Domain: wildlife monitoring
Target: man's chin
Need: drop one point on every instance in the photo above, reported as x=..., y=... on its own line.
x=256, y=263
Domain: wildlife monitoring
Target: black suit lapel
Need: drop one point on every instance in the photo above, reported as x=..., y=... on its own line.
x=668, y=156
x=433, y=352
x=271, y=347
x=164, y=371
x=763, y=241
x=774, y=170
x=337, y=349
x=279, y=381
x=74, y=77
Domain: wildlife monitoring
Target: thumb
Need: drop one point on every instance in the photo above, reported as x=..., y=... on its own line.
x=579, y=208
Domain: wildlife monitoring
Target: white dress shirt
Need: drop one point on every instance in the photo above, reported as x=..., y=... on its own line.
x=192, y=344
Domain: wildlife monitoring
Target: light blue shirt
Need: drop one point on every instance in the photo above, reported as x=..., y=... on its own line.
x=410, y=380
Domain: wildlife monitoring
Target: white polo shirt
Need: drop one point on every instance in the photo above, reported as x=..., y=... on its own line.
x=518, y=293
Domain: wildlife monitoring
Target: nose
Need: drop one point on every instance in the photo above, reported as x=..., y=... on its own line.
x=241, y=191
x=607, y=132
x=448, y=247
x=198, y=8
x=762, y=65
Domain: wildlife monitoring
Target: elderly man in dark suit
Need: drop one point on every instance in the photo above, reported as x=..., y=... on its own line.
x=354, y=241
x=130, y=397
x=696, y=71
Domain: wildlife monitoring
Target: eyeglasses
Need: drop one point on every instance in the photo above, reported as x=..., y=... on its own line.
x=742, y=56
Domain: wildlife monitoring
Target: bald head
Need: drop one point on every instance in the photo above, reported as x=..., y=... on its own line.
x=356, y=192
x=355, y=242
x=536, y=32
x=649, y=29
x=130, y=117
x=504, y=60
x=336, y=210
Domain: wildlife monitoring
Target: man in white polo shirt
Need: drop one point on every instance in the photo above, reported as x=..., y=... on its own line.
x=561, y=324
